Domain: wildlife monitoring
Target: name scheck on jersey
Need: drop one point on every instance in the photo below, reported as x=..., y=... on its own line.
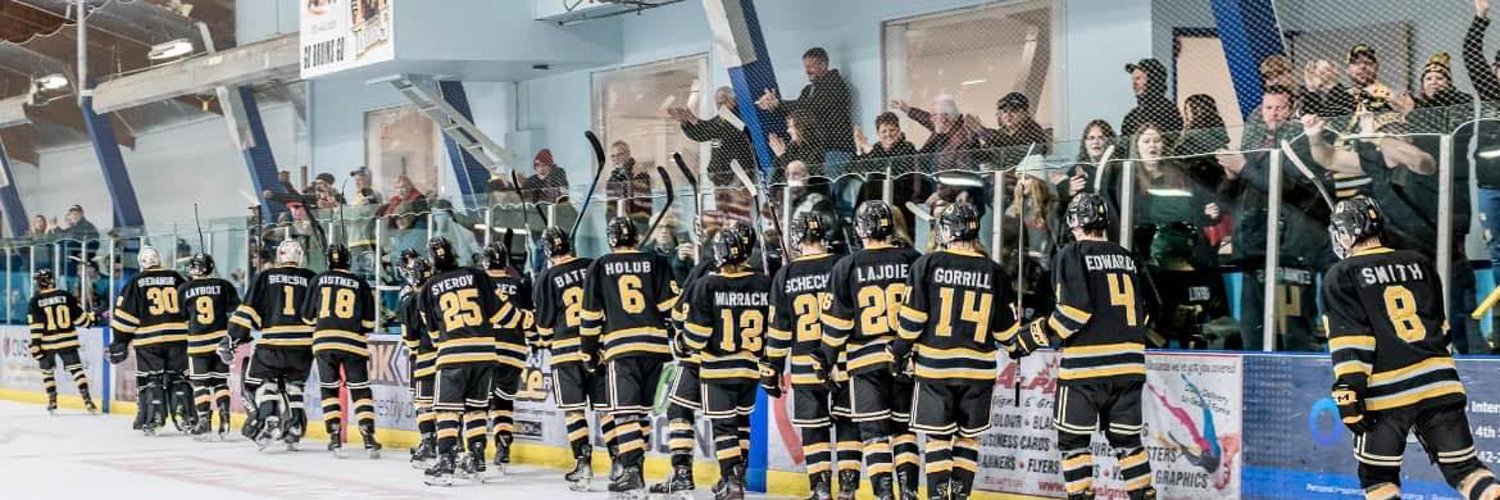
x=867, y=289
x=799, y=294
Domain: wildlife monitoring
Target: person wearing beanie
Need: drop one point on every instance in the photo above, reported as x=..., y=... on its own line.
x=1148, y=79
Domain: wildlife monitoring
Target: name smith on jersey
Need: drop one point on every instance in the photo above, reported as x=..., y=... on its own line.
x=1391, y=273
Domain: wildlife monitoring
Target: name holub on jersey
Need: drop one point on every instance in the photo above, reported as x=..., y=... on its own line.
x=632, y=267
x=342, y=281
x=1391, y=273
x=52, y=301
x=884, y=272
x=287, y=279
x=813, y=283
x=564, y=280
x=201, y=290
x=453, y=283
x=741, y=299
x=156, y=281
x=1109, y=263
x=967, y=279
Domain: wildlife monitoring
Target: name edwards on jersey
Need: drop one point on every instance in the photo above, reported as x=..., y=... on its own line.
x=1109, y=263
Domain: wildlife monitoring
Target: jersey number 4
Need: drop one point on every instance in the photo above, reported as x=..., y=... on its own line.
x=1122, y=294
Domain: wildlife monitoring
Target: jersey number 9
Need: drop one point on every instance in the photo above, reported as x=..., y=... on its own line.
x=204, y=306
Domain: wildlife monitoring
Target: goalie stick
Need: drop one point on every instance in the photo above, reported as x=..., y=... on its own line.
x=598, y=172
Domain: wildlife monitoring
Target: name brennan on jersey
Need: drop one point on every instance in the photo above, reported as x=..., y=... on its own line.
x=285, y=279
x=883, y=272
x=1109, y=263
x=811, y=283
x=201, y=290
x=741, y=299
x=1391, y=273
x=454, y=282
x=631, y=267
x=338, y=280
x=970, y=279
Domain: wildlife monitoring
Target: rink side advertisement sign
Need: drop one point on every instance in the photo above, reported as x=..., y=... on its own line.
x=19, y=371
x=342, y=34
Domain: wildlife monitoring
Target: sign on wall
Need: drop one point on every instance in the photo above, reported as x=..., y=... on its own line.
x=342, y=34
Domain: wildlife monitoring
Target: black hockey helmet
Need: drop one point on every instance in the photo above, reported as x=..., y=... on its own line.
x=1088, y=211
x=621, y=232
x=958, y=222
x=1354, y=220
x=415, y=270
x=731, y=247
x=338, y=256
x=496, y=256
x=810, y=227
x=201, y=264
x=873, y=220
x=555, y=242
x=44, y=279
x=443, y=257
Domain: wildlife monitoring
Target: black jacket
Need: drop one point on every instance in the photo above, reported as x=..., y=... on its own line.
x=728, y=143
x=1151, y=108
x=828, y=100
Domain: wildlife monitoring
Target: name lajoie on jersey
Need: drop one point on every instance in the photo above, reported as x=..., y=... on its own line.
x=881, y=272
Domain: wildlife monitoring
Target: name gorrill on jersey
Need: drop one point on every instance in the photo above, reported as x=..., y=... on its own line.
x=741, y=299
x=286, y=279
x=1109, y=263
x=968, y=279
x=814, y=283
x=453, y=283
x=885, y=272
x=1391, y=273
x=632, y=267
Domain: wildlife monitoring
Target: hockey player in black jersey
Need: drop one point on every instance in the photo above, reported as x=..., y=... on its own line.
x=207, y=303
x=148, y=315
x=799, y=293
x=422, y=355
x=462, y=313
x=867, y=289
x=1393, y=374
x=341, y=308
x=282, y=360
x=54, y=317
x=685, y=392
x=558, y=296
x=1101, y=316
x=726, y=325
x=627, y=302
x=511, y=345
x=960, y=307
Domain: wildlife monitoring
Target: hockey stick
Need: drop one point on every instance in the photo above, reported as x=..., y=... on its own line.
x=1484, y=307
x=744, y=177
x=598, y=172
x=1286, y=147
x=692, y=181
x=920, y=211
x=1099, y=168
x=515, y=180
x=666, y=182
x=202, y=242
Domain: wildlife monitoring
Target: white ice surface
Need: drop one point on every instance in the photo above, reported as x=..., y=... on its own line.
x=73, y=455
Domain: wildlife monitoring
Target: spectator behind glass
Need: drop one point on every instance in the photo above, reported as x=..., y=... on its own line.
x=1033, y=205
x=952, y=145
x=629, y=183
x=728, y=142
x=1438, y=107
x=1098, y=136
x=1205, y=134
x=1016, y=134
x=363, y=194
x=1486, y=134
x=405, y=199
x=796, y=147
x=1164, y=192
x=893, y=155
x=664, y=242
x=550, y=182
x=1325, y=94
x=38, y=226
x=825, y=99
x=1148, y=79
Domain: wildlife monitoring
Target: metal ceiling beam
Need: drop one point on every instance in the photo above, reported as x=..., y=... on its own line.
x=20, y=146
x=274, y=59
x=141, y=22
x=65, y=113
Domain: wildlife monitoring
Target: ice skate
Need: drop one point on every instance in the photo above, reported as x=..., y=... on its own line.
x=848, y=484
x=883, y=487
x=336, y=442
x=906, y=486
x=89, y=406
x=630, y=486
x=372, y=446
x=52, y=404
x=223, y=424
x=821, y=485
x=678, y=486
x=425, y=452
x=440, y=473
x=502, y=453
x=472, y=466
x=269, y=431
x=582, y=475
x=731, y=487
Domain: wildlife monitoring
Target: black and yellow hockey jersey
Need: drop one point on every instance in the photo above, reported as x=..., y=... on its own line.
x=960, y=307
x=511, y=340
x=55, y=316
x=1102, y=311
x=627, y=302
x=341, y=309
x=419, y=345
x=799, y=294
x=462, y=312
x=148, y=311
x=1388, y=330
x=727, y=323
x=867, y=290
x=272, y=306
x=684, y=355
x=558, y=296
x=207, y=303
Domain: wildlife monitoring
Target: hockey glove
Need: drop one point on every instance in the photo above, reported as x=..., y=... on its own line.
x=1352, y=409
x=1031, y=337
x=36, y=350
x=770, y=380
x=226, y=350
x=118, y=351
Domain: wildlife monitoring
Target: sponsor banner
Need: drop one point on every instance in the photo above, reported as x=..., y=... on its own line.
x=20, y=371
x=1303, y=450
x=342, y=34
x=390, y=385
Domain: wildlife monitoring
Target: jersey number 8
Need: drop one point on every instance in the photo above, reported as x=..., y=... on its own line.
x=1401, y=305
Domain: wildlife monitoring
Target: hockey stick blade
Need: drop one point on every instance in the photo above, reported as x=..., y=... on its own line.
x=598, y=173
x=1099, y=168
x=920, y=211
x=666, y=182
x=692, y=180
x=515, y=180
x=1286, y=147
x=744, y=177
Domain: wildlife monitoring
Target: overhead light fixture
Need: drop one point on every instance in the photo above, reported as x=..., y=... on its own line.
x=55, y=81
x=1490, y=155
x=973, y=82
x=168, y=50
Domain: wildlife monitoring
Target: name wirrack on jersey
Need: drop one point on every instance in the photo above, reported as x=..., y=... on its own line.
x=741, y=299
